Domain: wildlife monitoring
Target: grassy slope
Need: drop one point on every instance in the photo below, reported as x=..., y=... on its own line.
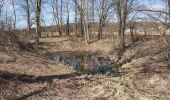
x=145, y=73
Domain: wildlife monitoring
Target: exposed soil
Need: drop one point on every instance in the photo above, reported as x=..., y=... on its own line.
x=32, y=76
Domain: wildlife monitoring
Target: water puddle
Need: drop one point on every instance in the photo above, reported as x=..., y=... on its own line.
x=86, y=63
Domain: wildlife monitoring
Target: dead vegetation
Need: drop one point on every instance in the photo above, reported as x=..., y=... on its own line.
x=146, y=71
x=26, y=75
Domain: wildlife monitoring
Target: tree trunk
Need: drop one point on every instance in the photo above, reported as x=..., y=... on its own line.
x=82, y=19
x=121, y=15
x=61, y=17
x=79, y=6
x=28, y=16
x=131, y=33
x=14, y=24
x=121, y=36
x=132, y=30
x=68, y=19
x=100, y=30
x=56, y=15
x=87, y=23
x=169, y=8
x=75, y=20
x=93, y=24
x=38, y=23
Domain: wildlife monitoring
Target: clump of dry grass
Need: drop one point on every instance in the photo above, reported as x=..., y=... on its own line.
x=4, y=38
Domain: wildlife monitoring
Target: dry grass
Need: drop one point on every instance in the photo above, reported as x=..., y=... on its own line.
x=52, y=45
x=30, y=63
x=145, y=74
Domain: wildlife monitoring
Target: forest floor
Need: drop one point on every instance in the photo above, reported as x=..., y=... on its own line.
x=145, y=72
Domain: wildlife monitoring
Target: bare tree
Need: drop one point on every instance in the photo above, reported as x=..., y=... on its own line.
x=27, y=9
x=86, y=22
x=145, y=28
x=79, y=6
x=1, y=20
x=103, y=13
x=68, y=19
x=61, y=16
x=93, y=9
x=93, y=16
x=8, y=22
x=38, y=23
x=169, y=8
x=161, y=16
x=76, y=19
x=82, y=7
x=121, y=11
x=133, y=30
x=162, y=19
x=1, y=5
x=14, y=12
x=56, y=14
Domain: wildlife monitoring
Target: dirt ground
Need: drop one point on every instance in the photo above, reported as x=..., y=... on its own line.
x=145, y=72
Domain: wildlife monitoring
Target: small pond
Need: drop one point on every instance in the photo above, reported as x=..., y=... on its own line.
x=86, y=63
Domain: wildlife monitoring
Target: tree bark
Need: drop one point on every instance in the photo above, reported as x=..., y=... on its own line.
x=28, y=16
x=93, y=17
x=56, y=15
x=38, y=23
x=81, y=11
x=87, y=23
x=14, y=12
x=68, y=19
x=131, y=27
x=61, y=17
x=75, y=20
x=121, y=6
x=105, y=7
x=169, y=8
x=100, y=28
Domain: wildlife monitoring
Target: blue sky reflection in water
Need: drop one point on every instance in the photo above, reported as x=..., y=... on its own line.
x=87, y=63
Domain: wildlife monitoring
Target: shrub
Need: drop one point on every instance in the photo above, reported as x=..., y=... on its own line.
x=4, y=38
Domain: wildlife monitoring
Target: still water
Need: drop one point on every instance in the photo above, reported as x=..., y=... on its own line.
x=86, y=63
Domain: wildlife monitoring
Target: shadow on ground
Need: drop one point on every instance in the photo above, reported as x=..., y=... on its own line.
x=12, y=83
x=35, y=92
x=33, y=79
